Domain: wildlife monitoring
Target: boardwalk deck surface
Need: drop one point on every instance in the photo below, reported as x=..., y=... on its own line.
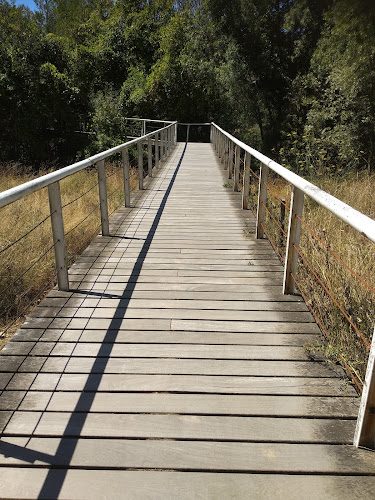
x=175, y=367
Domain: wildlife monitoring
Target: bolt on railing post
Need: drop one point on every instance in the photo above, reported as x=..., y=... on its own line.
x=262, y=200
x=156, y=150
x=149, y=153
x=103, y=197
x=246, y=182
x=140, y=165
x=294, y=232
x=58, y=235
x=365, y=429
x=236, y=180
x=125, y=164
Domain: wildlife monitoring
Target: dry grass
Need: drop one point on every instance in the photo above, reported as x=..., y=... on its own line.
x=21, y=287
x=357, y=300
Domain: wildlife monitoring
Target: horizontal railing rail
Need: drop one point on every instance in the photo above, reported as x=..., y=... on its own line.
x=162, y=141
x=228, y=149
x=357, y=220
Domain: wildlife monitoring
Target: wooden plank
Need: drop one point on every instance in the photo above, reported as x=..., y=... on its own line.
x=167, y=337
x=192, y=404
x=189, y=351
x=195, y=427
x=88, y=484
x=174, y=366
x=185, y=455
x=197, y=384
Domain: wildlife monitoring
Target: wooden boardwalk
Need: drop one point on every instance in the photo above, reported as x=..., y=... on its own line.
x=175, y=368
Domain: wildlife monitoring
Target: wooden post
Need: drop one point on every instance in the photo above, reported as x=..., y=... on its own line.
x=246, y=182
x=149, y=154
x=103, y=197
x=226, y=152
x=58, y=234
x=157, y=150
x=282, y=223
x=125, y=164
x=294, y=232
x=163, y=144
x=365, y=430
x=262, y=200
x=230, y=159
x=140, y=165
x=236, y=180
x=144, y=128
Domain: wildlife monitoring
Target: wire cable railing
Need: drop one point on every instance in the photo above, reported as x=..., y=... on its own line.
x=294, y=246
x=117, y=177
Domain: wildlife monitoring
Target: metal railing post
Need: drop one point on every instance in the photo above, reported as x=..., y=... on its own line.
x=140, y=165
x=262, y=200
x=103, y=197
x=365, y=429
x=125, y=164
x=236, y=180
x=156, y=150
x=294, y=232
x=58, y=234
x=149, y=153
x=246, y=182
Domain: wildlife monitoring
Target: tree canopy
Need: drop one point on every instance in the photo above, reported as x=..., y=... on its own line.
x=290, y=76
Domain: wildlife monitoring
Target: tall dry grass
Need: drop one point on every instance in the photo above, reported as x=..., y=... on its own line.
x=27, y=267
x=352, y=296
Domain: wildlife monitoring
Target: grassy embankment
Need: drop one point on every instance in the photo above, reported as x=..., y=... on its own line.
x=21, y=287
x=355, y=250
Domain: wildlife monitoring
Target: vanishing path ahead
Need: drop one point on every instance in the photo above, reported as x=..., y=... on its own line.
x=175, y=368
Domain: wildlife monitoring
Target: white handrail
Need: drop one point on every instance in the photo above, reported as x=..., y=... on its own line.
x=165, y=138
x=150, y=120
x=17, y=192
x=357, y=220
x=222, y=141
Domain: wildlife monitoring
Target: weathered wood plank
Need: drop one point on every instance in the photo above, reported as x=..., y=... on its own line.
x=88, y=484
x=185, y=455
x=263, y=429
x=188, y=384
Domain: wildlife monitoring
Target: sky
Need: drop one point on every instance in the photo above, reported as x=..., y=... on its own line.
x=28, y=3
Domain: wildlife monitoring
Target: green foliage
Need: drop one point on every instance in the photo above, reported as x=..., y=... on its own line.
x=263, y=69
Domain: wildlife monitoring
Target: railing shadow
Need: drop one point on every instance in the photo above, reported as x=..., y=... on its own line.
x=62, y=458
